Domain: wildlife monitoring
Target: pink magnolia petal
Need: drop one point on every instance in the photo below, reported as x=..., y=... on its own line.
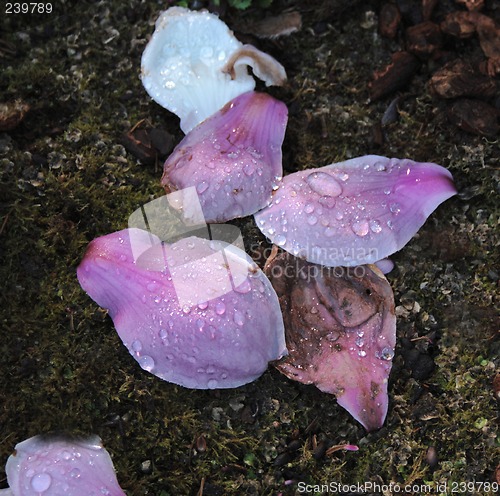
x=49, y=465
x=354, y=212
x=340, y=330
x=233, y=158
x=197, y=313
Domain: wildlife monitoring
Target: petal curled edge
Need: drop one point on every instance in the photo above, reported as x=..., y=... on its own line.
x=233, y=158
x=354, y=212
x=53, y=465
x=202, y=316
x=193, y=65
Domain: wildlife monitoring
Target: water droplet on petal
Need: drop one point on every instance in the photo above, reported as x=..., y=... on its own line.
x=361, y=227
x=249, y=169
x=280, y=240
x=202, y=187
x=75, y=473
x=312, y=219
x=136, y=346
x=309, y=208
x=375, y=226
x=147, y=363
x=239, y=318
x=41, y=482
x=387, y=354
x=395, y=208
x=220, y=308
x=212, y=383
x=324, y=184
x=327, y=201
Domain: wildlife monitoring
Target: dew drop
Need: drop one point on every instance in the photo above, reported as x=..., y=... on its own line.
x=327, y=201
x=375, y=226
x=361, y=227
x=387, y=354
x=380, y=166
x=75, y=473
x=199, y=324
x=309, y=208
x=147, y=363
x=212, y=383
x=203, y=305
x=280, y=240
x=202, y=187
x=239, y=318
x=395, y=208
x=361, y=353
x=312, y=219
x=249, y=169
x=209, y=163
x=324, y=184
x=41, y=482
x=220, y=308
x=136, y=346
x=186, y=309
x=163, y=333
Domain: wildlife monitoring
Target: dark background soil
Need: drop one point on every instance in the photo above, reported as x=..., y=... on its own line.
x=67, y=178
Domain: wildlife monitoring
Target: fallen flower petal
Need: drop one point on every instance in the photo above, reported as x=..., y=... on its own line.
x=354, y=212
x=340, y=329
x=52, y=465
x=189, y=66
x=198, y=313
x=233, y=158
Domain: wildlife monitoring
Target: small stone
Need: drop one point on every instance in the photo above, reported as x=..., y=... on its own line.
x=474, y=116
x=395, y=76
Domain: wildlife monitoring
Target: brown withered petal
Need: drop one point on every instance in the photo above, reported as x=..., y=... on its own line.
x=388, y=21
x=424, y=39
x=395, y=76
x=340, y=331
x=12, y=113
x=474, y=116
x=460, y=78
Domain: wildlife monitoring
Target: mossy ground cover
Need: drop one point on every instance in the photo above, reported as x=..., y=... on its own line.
x=66, y=179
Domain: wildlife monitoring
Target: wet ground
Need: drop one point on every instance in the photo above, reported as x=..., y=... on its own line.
x=68, y=178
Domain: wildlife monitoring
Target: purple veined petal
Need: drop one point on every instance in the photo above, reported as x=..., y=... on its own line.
x=354, y=212
x=233, y=159
x=340, y=328
x=209, y=319
x=52, y=465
